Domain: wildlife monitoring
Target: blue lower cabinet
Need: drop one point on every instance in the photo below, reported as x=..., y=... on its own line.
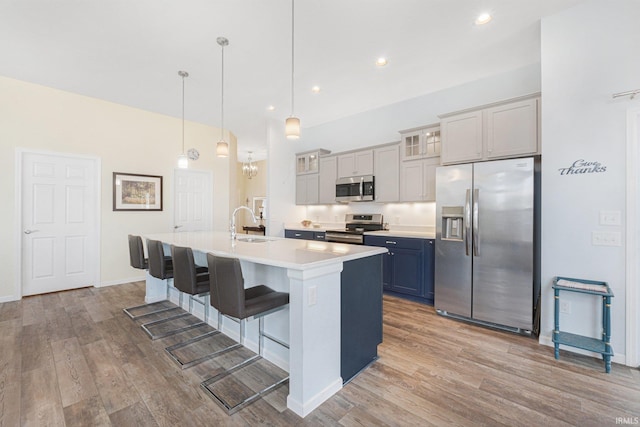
x=304, y=234
x=407, y=267
x=361, y=314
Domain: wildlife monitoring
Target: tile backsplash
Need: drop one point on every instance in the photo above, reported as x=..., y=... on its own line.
x=395, y=214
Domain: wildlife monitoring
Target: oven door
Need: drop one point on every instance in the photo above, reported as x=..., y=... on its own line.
x=344, y=237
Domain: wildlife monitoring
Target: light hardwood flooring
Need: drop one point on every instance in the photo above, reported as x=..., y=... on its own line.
x=74, y=358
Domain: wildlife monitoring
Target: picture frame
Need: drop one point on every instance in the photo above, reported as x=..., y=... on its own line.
x=136, y=192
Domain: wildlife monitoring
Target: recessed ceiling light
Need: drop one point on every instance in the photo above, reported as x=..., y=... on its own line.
x=381, y=62
x=315, y=89
x=483, y=18
x=271, y=108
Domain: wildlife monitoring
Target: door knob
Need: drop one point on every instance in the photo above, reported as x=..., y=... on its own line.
x=30, y=231
x=175, y=227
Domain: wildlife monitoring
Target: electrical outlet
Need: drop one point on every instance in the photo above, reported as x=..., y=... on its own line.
x=565, y=307
x=312, y=297
x=606, y=238
x=610, y=218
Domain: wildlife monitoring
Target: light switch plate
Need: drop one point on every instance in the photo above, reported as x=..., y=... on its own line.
x=606, y=238
x=313, y=296
x=610, y=218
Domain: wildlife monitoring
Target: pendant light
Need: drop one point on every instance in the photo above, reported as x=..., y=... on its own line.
x=183, y=161
x=249, y=169
x=222, y=148
x=292, y=124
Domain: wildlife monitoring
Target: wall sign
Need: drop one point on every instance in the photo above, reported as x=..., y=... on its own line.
x=582, y=166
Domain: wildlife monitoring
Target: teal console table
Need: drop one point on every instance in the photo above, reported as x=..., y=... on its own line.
x=596, y=345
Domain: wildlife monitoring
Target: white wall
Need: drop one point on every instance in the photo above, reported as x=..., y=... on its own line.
x=589, y=52
x=381, y=125
x=281, y=179
x=126, y=140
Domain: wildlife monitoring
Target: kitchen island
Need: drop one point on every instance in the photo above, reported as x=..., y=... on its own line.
x=318, y=277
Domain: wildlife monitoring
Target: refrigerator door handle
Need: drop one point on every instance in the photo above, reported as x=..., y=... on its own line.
x=476, y=234
x=467, y=222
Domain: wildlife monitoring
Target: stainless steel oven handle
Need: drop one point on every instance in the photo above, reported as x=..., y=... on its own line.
x=467, y=222
x=476, y=227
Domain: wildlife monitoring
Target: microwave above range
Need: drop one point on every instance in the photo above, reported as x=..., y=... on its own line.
x=355, y=189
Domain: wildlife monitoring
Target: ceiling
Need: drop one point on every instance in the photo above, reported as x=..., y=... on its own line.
x=130, y=51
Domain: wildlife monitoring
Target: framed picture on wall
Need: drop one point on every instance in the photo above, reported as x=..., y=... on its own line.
x=134, y=192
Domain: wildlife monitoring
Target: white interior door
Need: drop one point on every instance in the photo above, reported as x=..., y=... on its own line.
x=59, y=222
x=193, y=200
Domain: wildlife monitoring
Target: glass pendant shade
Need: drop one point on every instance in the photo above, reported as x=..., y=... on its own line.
x=183, y=161
x=292, y=128
x=222, y=149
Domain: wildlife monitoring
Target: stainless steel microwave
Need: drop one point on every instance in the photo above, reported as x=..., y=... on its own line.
x=355, y=189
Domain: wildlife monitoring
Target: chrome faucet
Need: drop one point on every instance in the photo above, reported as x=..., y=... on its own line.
x=233, y=220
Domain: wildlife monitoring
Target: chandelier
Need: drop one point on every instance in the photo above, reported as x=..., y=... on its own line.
x=249, y=169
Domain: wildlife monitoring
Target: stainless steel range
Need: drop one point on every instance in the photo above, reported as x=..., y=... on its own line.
x=356, y=225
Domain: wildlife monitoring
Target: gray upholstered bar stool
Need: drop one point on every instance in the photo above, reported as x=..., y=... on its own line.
x=136, y=253
x=161, y=267
x=138, y=260
x=188, y=278
x=194, y=281
x=229, y=296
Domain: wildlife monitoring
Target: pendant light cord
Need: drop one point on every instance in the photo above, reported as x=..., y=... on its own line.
x=183, y=114
x=292, y=55
x=222, y=99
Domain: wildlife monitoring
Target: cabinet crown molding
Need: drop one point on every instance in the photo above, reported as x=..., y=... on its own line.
x=490, y=105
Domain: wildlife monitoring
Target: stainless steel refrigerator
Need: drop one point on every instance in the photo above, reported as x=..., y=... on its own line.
x=487, y=242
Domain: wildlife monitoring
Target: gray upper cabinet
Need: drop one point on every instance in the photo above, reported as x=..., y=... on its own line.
x=512, y=129
x=355, y=163
x=501, y=130
x=307, y=187
x=328, y=176
x=309, y=162
x=420, y=143
x=462, y=138
x=418, y=180
x=387, y=174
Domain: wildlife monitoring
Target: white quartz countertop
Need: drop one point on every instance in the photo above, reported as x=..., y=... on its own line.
x=275, y=251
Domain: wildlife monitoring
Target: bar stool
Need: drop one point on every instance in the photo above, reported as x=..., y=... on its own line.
x=189, y=278
x=138, y=260
x=161, y=267
x=136, y=253
x=229, y=296
x=194, y=281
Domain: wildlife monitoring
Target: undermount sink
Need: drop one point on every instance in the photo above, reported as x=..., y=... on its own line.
x=252, y=239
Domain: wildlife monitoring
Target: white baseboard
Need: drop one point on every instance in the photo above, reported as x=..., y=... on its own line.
x=10, y=298
x=305, y=408
x=120, y=281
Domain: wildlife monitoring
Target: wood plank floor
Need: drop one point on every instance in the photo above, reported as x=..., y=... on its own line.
x=75, y=359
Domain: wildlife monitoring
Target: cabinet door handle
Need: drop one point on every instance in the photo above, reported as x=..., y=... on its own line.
x=298, y=234
x=390, y=242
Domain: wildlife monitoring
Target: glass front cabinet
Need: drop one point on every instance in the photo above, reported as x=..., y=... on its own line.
x=420, y=143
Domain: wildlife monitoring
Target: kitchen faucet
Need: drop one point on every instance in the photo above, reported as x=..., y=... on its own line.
x=233, y=220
